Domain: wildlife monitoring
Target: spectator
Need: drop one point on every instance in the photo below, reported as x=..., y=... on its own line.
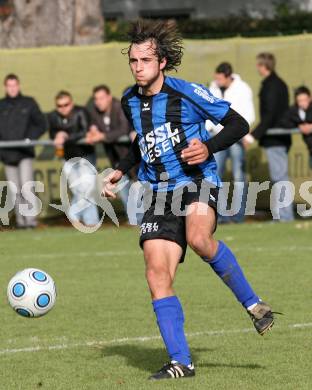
x=300, y=115
x=229, y=86
x=108, y=124
x=20, y=118
x=68, y=124
x=274, y=102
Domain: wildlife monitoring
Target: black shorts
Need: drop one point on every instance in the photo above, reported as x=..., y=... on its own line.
x=165, y=217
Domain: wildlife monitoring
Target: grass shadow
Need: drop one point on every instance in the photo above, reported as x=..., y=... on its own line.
x=250, y=366
x=148, y=359
x=143, y=357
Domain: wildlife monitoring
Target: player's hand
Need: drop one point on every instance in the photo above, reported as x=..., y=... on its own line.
x=195, y=153
x=132, y=135
x=110, y=183
x=89, y=138
x=305, y=128
x=60, y=139
x=92, y=138
x=247, y=141
x=94, y=135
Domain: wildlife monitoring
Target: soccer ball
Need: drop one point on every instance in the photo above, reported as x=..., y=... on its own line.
x=31, y=292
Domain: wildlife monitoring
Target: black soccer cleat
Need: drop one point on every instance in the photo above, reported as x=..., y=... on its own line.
x=262, y=317
x=174, y=370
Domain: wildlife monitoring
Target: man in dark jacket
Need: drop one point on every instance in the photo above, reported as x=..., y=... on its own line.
x=68, y=124
x=300, y=115
x=274, y=101
x=20, y=119
x=108, y=125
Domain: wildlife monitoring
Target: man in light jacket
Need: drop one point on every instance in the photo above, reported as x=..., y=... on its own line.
x=229, y=86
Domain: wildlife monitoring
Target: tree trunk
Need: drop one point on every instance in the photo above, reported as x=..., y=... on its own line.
x=89, y=25
x=33, y=23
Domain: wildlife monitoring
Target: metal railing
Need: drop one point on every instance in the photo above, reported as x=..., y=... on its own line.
x=124, y=139
x=26, y=143
x=280, y=131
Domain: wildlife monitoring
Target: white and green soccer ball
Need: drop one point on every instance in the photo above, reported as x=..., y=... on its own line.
x=31, y=292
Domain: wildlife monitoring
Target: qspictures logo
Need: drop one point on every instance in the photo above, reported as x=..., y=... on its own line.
x=81, y=179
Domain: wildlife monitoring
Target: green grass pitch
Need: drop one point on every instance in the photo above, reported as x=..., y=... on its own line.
x=102, y=332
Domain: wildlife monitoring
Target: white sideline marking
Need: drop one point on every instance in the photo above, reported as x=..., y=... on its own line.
x=292, y=248
x=307, y=325
x=73, y=254
x=137, y=339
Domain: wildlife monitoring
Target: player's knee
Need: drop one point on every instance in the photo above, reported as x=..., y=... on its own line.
x=158, y=276
x=197, y=242
x=203, y=245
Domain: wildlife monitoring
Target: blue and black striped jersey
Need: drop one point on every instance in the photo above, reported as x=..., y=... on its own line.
x=165, y=124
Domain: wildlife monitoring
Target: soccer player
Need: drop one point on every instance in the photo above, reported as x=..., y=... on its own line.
x=175, y=151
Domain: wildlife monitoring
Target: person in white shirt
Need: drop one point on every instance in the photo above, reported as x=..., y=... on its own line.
x=229, y=86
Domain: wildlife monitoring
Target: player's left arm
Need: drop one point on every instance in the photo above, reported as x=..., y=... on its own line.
x=235, y=127
x=200, y=104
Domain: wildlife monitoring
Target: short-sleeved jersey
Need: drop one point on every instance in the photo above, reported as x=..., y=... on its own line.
x=165, y=124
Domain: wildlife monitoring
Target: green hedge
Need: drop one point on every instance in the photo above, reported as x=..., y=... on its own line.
x=284, y=23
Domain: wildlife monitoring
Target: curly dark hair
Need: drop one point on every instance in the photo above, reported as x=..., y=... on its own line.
x=164, y=34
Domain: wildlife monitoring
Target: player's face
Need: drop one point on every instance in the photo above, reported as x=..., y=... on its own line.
x=222, y=81
x=64, y=105
x=144, y=64
x=12, y=88
x=303, y=101
x=102, y=100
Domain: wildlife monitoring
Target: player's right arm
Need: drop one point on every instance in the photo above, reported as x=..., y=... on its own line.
x=131, y=160
x=110, y=182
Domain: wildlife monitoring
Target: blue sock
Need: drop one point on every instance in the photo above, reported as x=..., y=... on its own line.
x=227, y=268
x=170, y=320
